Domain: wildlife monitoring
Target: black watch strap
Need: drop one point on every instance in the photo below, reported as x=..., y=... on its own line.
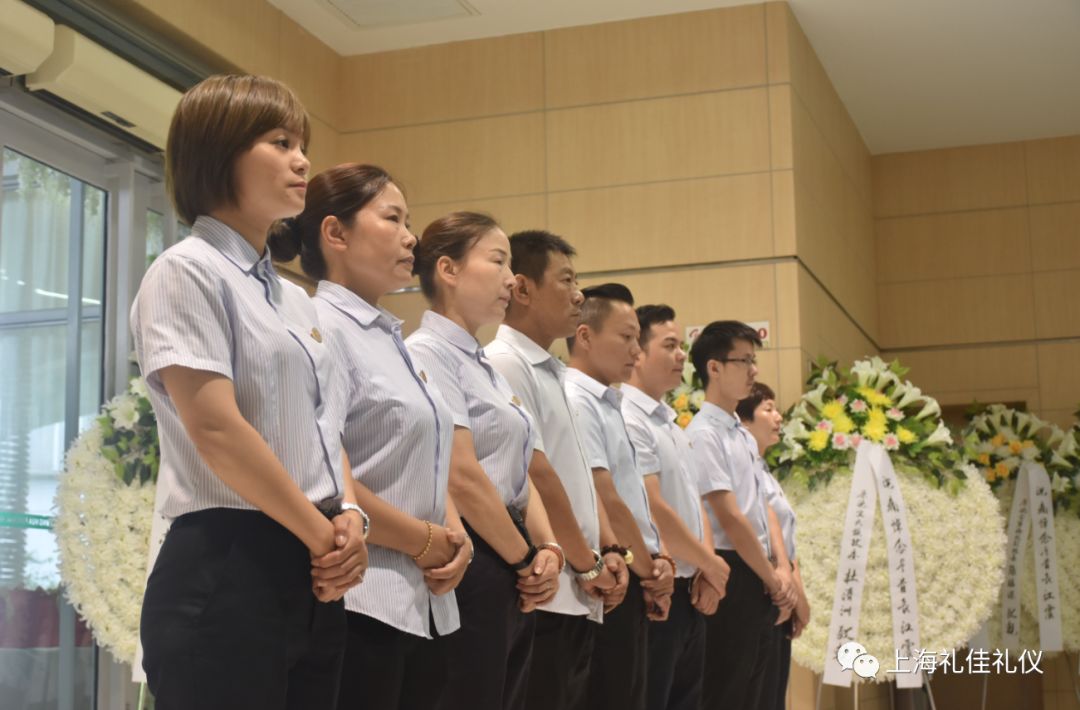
x=527, y=560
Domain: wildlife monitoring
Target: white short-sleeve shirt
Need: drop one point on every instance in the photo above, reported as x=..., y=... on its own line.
x=480, y=400
x=212, y=303
x=663, y=449
x=398, y=435
x=537, y=378
x=607, y=445
x=724, y=452
x=785, y=514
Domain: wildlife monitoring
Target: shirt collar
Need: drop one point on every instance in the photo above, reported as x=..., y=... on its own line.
x=525, y=345
x=452, y=332
x=660, y=411
x=233, y=246
x=594, y=387
x=355, y=307
x=719, y=416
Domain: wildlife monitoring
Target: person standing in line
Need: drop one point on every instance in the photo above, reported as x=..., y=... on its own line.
x=676, y=646
x=463, y=261
x=353, y=237
x=602, y=354
x=761, y=417
x=243, y=606
x=739, y=637
x=546, y=305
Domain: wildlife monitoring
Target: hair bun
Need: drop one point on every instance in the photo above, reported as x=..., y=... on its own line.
x=285, y=239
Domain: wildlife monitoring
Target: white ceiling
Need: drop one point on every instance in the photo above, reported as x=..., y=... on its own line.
x=914, y=74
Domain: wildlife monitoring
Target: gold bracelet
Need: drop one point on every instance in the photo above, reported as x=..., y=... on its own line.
x=427, y=547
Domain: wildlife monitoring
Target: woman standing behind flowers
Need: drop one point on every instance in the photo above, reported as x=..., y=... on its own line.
x=353, y=236
x=237, y=370
x=463, y=261
x=759, y=414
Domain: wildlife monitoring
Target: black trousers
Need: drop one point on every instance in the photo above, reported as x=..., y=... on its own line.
x=229, y=619
x=774, y=693
x=617, y=675
x=387, y=668
x=739, y=641
x=677, y=655
x=562, y=653
x=488, y=657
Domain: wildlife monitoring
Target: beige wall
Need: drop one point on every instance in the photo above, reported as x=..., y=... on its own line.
x=979, y=271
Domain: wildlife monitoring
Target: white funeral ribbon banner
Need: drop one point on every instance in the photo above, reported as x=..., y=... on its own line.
x=874, y=475
x=1033, y=508
x=158, y=527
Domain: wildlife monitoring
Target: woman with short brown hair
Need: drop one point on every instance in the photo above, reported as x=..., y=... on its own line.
x=243, y=606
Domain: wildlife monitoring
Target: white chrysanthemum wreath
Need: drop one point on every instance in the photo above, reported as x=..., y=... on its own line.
x=104, y=509
x=957, y=531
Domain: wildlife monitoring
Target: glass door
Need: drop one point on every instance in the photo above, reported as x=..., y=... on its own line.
x=57, y=205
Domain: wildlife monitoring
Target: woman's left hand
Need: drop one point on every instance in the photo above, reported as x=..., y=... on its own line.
x=441, y=580
x=541, y=585
x=336, y=572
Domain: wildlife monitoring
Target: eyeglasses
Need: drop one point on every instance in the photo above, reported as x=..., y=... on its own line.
x=749, y=360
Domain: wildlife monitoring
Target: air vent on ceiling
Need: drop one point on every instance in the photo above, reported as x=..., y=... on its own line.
x=386, y=13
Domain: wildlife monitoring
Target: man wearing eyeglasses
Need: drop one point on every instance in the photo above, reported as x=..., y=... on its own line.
x=739, y=637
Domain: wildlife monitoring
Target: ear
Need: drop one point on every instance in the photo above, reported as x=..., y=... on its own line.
x=583, y=337
x=714, y=369
x=521, y=292
x=332, y=234
x=447, y=269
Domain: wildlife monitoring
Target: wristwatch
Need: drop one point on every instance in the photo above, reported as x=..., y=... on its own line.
x=363, y=516
x=591, y=574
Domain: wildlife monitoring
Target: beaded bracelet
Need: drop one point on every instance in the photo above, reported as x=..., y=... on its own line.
x=557, y=549
x=427, y=547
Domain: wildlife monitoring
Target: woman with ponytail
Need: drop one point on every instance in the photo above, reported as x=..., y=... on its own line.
x=463, y=261
x=354, y=238
x=243, y=606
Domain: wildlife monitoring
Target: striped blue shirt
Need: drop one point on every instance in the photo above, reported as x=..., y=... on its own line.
x=398, y=435
x=663, y=449
x=212, y=303
x=481, y=400
x=608, y=446
x=724, y=451
x=538, y=379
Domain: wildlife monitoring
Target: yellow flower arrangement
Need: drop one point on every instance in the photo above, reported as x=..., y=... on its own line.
x=906, y=436
x=833, y=410
x=819, y=439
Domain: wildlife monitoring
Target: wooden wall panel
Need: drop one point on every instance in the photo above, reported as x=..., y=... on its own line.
x=661, y=139
x=494, y=76
x=513, y=213
x=1055, y=236
x=1059, y=377
x=655, y=56
x=1057, y=304
x=974, y=310
x=682, y=222
x=951, y=180
x=311, y=69
x=461, y=160
x=1053, y=169
x=953, y=245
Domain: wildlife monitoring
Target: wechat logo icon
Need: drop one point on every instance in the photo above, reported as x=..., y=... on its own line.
x=852, y=656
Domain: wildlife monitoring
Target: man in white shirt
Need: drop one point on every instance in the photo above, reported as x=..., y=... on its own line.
x=739, y=637
x=676, y=646
x=545, y=305
x=602, y=354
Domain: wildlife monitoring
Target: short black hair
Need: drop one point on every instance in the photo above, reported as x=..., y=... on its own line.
x=597, y=305
x=650, y=315
x=758, y=394
x=531, y=250
x=716, y=341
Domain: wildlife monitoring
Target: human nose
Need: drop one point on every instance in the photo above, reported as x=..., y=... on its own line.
x=577, y=298
x=301, y=163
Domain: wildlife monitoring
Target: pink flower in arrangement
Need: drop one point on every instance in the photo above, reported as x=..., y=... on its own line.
x=842, y=399
x=858, y=406
x=891, y=442
x=824, y=425
x=856, y=439
x=841, y=442
x=894, y=414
